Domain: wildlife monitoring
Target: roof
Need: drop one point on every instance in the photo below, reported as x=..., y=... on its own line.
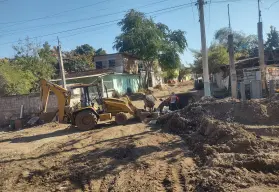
x=89, y=73
x=127, y=54
x=80, y=85
x=246, y=60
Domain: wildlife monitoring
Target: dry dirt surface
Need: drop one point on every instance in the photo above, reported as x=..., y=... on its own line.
x=212, y=145
x=57, y=157
x=234, y=143
x=115, y=158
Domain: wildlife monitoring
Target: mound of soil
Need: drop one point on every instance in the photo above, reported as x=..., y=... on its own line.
x=215, y=131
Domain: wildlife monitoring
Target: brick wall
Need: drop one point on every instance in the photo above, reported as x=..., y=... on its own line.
x=10, y=106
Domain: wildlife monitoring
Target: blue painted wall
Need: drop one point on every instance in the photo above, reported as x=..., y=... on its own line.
x=121, y=82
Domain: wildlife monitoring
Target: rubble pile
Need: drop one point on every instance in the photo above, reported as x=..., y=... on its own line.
x=226, y=152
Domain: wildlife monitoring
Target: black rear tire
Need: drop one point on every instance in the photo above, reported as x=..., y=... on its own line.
x=85, y=120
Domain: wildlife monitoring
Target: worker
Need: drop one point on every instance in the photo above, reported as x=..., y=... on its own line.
x=149, y=102
x=173, y=101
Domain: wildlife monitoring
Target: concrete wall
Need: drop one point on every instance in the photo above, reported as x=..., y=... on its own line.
x=105, y=62
x=123, y=63
x=122, y=82
x=10, y=106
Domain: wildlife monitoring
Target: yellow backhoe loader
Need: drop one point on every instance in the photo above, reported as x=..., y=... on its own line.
x=90, y=112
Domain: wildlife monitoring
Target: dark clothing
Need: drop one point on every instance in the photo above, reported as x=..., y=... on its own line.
x=173, y=106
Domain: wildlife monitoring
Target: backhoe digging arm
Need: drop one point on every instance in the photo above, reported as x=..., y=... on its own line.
x=63, y=97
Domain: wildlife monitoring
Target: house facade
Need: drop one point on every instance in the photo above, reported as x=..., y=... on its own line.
x=248, y=70
x=117, y=62
x=117, y=73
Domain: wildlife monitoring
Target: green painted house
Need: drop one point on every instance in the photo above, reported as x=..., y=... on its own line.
x=117, y=72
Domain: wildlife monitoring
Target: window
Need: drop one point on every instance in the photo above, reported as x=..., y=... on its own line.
x=99, y=65
x=111, y=63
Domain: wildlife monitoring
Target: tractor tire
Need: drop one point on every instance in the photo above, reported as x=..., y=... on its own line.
x=86, y=120
x=121, y=118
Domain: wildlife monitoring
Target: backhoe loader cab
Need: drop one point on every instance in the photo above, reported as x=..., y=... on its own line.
x=93, y=106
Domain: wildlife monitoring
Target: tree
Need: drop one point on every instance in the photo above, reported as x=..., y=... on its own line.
x=13, y=80
x=217, y=56
x=272, y=39
x=171, y=74
x=100, y=51
x=48, y=54
x=84, y=50
x=183, y=72
x=245, y=46
x=81, y=58
x=141, y=36
x=26, y=48
x=30, y=59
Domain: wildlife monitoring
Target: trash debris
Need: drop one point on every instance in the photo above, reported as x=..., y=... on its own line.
x=33, y=121
x=153, y=122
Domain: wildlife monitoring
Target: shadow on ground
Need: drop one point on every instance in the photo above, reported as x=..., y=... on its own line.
x=114, y=156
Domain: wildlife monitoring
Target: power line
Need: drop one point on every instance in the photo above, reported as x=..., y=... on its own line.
x=111, y=25
x=54, y=15
x=273, y=4
x=88, y=26
x=78, y=20
x=193, y=10
x=117, y=20
x=124, y=11
x=66, y=11
x=209, y=7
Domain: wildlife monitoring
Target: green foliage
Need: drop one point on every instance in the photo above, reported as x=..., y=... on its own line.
x=150, y=41
x=217, y=56
x=21, y=74
x=244, y=45
x=100, y=52
x=26, y=48
x=48, y=54
x=171, y=74
x=140, y=36
x=183, y=72
x=81, y=59
x=84, y=50
x=14, y=80
x=272, y=39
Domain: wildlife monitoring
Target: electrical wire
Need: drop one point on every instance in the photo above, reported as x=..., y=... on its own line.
x=117, y=20
x=209, y=14
x=88, y=26
x=273, y=4
x=124, y=11
x=56, y=14
x=8, y=32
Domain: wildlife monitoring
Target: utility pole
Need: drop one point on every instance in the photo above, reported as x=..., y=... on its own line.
x=207, y=91
x=61, y=65
x=231, y=55
x=261, y=51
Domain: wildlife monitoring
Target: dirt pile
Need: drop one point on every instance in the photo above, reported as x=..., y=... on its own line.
x=227, y=154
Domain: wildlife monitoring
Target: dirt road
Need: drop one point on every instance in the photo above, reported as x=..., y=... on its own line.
x=114, y=158
x=211, y=146
x=56, y=157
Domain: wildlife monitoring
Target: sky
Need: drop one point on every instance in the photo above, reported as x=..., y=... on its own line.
x=94, y=21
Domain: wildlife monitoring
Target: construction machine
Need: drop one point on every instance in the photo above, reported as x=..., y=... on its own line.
x=92, y=108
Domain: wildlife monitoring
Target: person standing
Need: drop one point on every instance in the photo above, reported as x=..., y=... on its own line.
x=173, y=102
